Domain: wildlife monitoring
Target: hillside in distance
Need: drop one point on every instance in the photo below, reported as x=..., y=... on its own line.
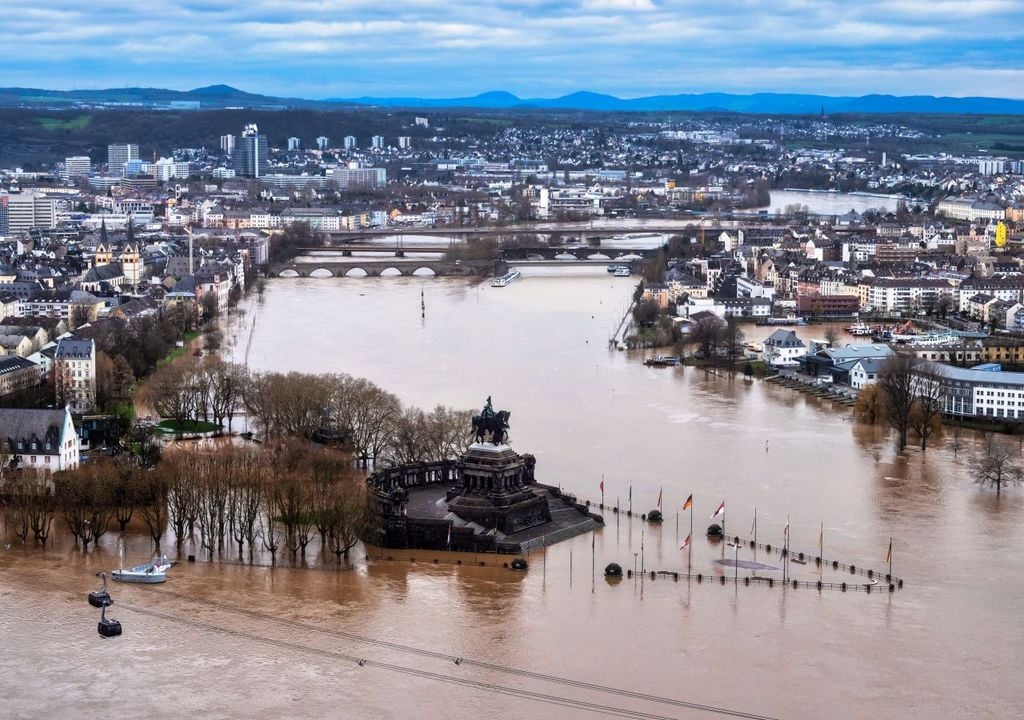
x=215, y=97
x=759, y=103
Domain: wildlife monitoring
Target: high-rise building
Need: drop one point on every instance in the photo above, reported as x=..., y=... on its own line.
x=293, y=143
x=3, y=215
x=404, y=142
x=118, y=155
x=29, y=210
x=250, y=157
x=350, y=142
x=322, y=143
x=227, y=144
x=351, y=178
x=377, y=142
x=77, y=166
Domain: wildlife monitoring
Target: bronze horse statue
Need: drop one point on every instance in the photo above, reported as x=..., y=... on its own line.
x=495, y=423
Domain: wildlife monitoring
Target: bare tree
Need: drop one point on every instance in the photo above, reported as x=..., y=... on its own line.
x=831, y=336
x=929, y=401
x=732, y=338
x=995, y=466
x=154, y=507
x=707, y=332
x=896, y=381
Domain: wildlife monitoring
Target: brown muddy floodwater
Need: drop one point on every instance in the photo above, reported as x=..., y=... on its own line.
x=224, y=639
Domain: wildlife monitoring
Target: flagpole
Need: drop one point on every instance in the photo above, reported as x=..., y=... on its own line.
x=631, y=499
x=593, y=562
x=641, y=552
x=544, y=578
x=890, y=556
x=755, y=527
x=689, y=549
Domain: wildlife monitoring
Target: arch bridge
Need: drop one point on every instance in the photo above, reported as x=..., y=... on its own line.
x=439, y=268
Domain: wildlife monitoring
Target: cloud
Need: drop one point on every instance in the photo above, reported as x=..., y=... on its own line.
x=532, y=47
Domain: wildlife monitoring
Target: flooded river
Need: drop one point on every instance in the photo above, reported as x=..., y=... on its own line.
x=228, y=640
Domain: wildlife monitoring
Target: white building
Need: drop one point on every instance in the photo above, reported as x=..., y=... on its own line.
x=40, y=440
x=322, y=142
x=293, y=143
x=75, y=374
x=227, y=144
x=377, y=142
x=782, y=348
x=350, y=142
x=404, y=142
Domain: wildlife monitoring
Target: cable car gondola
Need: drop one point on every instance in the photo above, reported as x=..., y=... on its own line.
x=108, y=628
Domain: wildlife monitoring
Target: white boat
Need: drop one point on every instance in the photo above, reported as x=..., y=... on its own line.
x=147, y=573
x=860, y=330
x=505, y=279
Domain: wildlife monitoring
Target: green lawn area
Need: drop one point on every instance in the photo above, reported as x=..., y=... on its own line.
x=187, y=427
x=177, y=352
x=73, y=123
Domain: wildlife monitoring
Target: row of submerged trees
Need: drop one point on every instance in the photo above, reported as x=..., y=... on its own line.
x=369, y=420
x=275, y=497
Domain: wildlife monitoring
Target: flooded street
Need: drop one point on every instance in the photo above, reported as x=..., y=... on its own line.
x=225, y=639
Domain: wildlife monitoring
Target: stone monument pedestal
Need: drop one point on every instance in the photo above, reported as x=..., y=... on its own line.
x=495, y=490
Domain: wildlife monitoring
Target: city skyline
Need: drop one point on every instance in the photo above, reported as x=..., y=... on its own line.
x=533, y=48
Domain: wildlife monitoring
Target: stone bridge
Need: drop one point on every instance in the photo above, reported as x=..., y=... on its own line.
x=375, y=267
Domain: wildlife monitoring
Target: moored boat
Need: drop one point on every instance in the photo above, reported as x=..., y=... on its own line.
x=662, y=361
x=148, y=573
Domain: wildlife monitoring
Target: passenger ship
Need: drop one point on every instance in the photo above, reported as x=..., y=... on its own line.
x=505, y=279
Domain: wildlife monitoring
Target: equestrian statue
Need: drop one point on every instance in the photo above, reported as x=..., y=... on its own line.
x=490, y=421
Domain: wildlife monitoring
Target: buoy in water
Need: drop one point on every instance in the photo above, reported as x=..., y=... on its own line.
x=520, y=564
x=654, y=516
x=613, y=570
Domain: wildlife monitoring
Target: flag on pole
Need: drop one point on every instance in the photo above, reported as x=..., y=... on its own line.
x=659, y=498
x=689, y=502
x=888, y=555
x=631, y=496
x=449, y=536
x=821, y=537
x=753, y=524
x=602, y=487
x=686, y=543
x=719, y=511
x=785, y=531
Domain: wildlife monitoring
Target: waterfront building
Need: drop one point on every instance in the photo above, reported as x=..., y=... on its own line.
x=251, y=155
x=40, y=440
x=119, y=155
x=782, y=348
x=978, y=392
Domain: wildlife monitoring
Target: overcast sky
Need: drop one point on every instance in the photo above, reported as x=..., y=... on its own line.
x=533, y=48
